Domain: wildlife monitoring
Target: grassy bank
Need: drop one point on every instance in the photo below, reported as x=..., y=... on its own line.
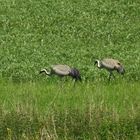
x=63, y=111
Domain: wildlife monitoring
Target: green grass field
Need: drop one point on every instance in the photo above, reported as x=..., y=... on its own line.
x=64, y=111
x=36, y=34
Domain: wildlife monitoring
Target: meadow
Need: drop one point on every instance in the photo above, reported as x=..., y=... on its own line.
x=85, y=111
x=36, y=34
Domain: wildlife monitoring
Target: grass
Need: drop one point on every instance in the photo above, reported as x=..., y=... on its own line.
x=36, y=34
x=64, y=111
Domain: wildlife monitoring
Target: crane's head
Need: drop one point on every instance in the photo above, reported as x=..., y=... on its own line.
x=75, y=74
x=98, y=63
x=45, y=70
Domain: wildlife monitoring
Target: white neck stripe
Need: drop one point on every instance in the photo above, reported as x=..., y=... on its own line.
x=48, y=73
x=99, y=64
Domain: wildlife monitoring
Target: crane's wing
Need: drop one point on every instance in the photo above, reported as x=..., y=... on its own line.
x=110, y=63
x=61, y=69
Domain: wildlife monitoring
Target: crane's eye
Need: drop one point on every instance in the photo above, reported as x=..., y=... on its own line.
x=119, y=63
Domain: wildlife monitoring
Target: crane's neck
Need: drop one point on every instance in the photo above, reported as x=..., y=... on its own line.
x=99, y=65
x=46, y=72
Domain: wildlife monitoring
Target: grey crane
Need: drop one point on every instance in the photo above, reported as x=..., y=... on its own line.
x=110, y=65
x=62, y=70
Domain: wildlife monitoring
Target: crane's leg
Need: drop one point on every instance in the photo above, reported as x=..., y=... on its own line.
x=113, y=75
x=110, y=74
x=61, y=81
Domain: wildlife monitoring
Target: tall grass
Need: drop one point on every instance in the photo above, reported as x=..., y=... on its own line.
x=66, y=111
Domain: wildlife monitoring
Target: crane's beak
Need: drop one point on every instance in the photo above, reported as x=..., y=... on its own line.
x=95, y=62
x=41, y=72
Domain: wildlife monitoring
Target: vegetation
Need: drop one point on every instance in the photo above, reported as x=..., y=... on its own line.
x=64, y=111
x=35, y=34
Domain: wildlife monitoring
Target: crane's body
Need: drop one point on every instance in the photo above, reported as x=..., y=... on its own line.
x=62, y=70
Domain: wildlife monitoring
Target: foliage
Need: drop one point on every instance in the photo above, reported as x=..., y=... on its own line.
x=36, y=34
x=64, y=111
